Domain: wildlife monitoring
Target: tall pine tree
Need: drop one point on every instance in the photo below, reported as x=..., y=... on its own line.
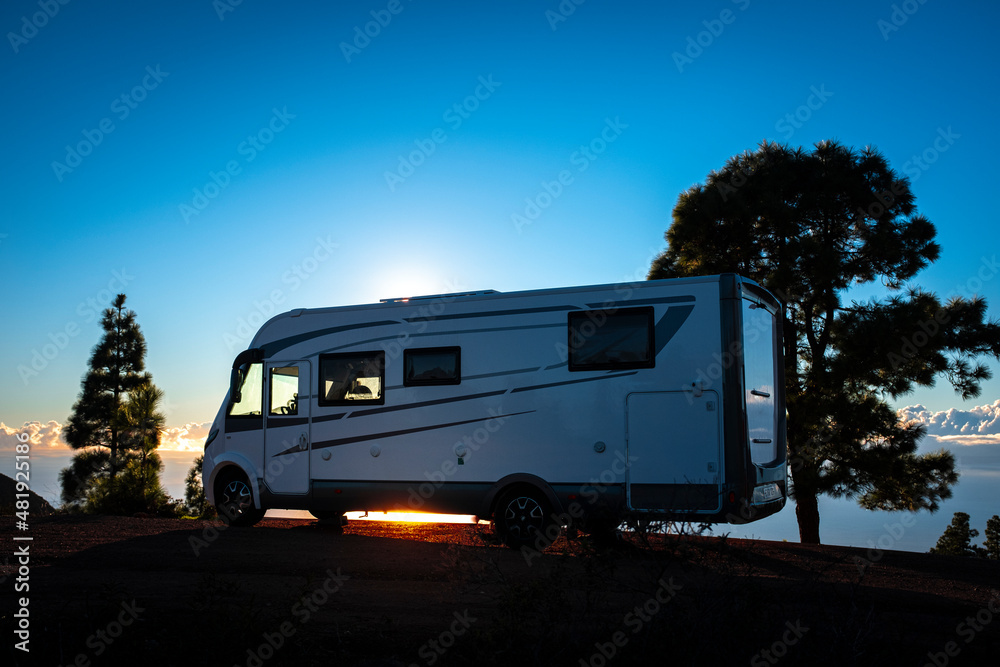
x=96, y=428
x=809, y=226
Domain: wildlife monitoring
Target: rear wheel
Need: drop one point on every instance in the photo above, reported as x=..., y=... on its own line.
x=522, y=518
x=235, y=501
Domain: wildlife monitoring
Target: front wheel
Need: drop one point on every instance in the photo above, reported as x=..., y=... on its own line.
x=235, y=502
x=522, y=518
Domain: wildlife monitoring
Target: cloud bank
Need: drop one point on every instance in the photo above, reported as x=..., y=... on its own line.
x=977, y=426
x=47, y=439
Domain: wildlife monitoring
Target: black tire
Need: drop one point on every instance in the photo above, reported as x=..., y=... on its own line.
x=522, y=518
x=235, y=502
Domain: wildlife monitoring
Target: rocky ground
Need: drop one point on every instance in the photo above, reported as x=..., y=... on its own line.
x=130, y=591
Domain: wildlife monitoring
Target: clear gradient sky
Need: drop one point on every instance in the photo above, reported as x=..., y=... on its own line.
x=219, y=162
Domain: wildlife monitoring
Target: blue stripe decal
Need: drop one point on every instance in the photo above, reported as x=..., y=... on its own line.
x=565, y=382
x=423, y=404
x=669, y=325
x=389, y=434
x=270, y=349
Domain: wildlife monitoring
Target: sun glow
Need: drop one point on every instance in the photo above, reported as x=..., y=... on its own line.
x=412, y=517
x=409, y=279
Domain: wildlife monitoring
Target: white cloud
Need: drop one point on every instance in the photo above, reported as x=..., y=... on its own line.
x=188, y=438
x=976, y=426
x=47, y=439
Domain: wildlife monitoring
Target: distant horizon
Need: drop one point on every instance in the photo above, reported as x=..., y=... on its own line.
x=842, y=522
x=316, y=154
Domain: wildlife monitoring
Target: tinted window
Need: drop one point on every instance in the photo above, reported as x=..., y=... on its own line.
x=352, y=378
x=608, y=340
x=439, y=365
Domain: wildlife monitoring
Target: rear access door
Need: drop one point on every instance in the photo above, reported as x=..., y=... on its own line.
x=674, y=451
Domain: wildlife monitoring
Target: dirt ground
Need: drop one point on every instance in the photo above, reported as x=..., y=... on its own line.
x=130, y=591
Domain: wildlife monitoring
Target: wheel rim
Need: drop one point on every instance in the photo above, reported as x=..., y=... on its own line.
x=237, y=498
x=524, y=517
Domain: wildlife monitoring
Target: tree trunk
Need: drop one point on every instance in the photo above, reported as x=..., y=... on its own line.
x=807, y=514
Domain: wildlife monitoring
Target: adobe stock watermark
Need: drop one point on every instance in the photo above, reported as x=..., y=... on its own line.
x=780, y=648
x=303, y=610
x=121, y=107
x=734, y=353
x=101, y=640
x=795, y=120
x=967, y=630
x=596, y=319
x=697, y=44
x=464, y=450
x=911, y=345
x=264, y=308
x=363, y=35
x=918, y=164
x=454, y=116
x=31, y=25
x=900, y=14
x=248, y=149
x=432, y=650
x=581, y=159
x=419, y=318
x=563, y=11
x=88, y=310
x=589, y=494
x=890, y=537
x=635, y=621
x=223, y=7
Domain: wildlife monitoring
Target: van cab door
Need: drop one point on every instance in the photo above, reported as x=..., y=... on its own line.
x=287, y=427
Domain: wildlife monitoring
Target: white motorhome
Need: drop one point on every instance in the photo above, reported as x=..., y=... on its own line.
x=658, y=400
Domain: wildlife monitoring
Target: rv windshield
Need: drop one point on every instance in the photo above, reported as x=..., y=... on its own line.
x=250, y=402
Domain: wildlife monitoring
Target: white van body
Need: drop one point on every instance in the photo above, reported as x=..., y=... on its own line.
x=661, y=399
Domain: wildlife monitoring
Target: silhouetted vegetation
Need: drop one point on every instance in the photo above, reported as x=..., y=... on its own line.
x=809, y=226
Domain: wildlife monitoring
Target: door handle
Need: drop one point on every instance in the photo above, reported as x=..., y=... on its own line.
x=303, y=442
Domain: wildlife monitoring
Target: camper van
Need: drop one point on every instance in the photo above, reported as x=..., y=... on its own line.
x=656, y=401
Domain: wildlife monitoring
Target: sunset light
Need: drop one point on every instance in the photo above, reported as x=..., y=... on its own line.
x=689, y=311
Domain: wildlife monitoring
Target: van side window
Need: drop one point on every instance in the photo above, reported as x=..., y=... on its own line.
x=251, y=392
x=352, y=378
x=284, y=391
x=611, y=339
x=432, y=365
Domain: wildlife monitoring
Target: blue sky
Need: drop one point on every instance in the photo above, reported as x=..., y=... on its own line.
x=219, y=163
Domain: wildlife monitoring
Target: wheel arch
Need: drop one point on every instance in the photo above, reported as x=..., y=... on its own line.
x=514, y=480
x=226, y=463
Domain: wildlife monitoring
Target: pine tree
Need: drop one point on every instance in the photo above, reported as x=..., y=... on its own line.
x=136, y=487
x=957, y=538
x=991, y=544
x=194, y=491
x=95, y=427
x=809, y=226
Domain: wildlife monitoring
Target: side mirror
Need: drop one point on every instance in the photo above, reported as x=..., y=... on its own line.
x=235, y=383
